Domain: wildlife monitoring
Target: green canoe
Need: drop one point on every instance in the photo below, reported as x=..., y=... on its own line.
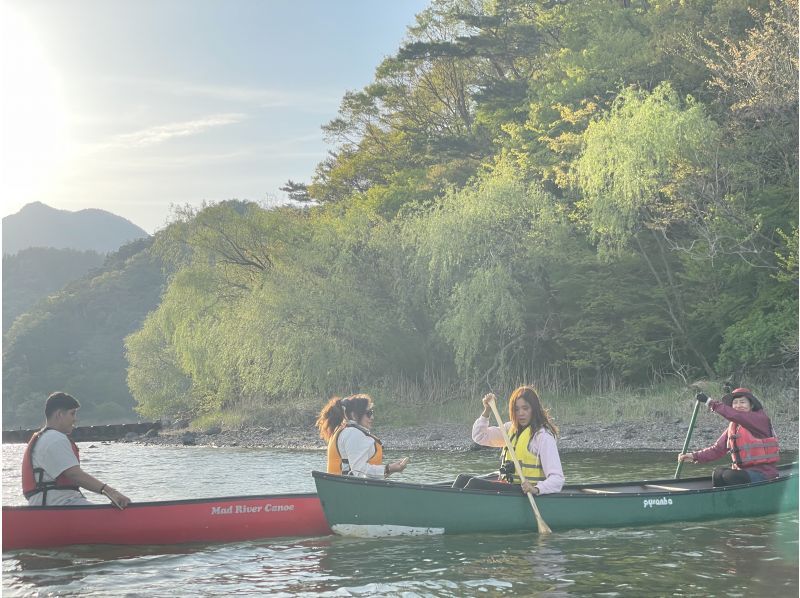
x=359, y=506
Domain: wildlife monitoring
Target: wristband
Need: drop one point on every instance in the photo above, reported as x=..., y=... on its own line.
x=103, y=487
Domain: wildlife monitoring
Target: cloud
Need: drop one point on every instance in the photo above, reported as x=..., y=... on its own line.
x=161, y=133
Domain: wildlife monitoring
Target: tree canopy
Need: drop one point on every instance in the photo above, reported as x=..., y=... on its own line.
x=598, y=191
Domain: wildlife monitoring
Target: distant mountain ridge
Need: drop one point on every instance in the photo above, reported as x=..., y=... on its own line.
x=39, y=225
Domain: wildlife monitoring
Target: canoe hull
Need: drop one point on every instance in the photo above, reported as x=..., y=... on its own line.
x=351, y=502
x=230, y=519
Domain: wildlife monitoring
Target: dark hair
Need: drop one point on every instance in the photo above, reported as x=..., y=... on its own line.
x=337, y=410
x=59, y=400
x=540, y=417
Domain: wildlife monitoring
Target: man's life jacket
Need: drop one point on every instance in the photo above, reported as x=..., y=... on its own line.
x=32, y=477
x=340, y=466
x=747, y=450
x=531, y=467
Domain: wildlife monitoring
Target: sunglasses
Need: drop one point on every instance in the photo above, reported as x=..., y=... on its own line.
x=370, y=413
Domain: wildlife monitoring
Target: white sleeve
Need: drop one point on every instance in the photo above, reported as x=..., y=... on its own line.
x=56, y=455
x=544, y=445
x=486, y=435
x=358, y=448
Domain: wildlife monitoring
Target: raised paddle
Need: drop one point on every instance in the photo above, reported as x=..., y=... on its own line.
x=688, y=437
x=543, y=527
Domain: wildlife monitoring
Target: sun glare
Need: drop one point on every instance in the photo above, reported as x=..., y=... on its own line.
x=32, y=114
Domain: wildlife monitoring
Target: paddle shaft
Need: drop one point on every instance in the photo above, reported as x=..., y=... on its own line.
x=540, y=522
x=688, y=437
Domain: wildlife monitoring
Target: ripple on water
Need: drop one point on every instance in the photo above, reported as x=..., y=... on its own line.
x=753, y=557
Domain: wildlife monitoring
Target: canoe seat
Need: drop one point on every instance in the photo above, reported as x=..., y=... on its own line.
x=667, y=488
x=598, y=491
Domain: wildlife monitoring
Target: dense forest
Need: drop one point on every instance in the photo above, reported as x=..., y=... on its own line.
x=598, y=192
x=72, y=338
x=36, y=272
x=598, y=197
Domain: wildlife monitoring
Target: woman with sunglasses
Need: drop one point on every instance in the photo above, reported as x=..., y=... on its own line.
x=352, y=448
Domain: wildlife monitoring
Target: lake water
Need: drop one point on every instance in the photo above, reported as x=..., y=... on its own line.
x=756, y=557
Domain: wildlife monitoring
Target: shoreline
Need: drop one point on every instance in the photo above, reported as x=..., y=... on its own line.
x=652, y=435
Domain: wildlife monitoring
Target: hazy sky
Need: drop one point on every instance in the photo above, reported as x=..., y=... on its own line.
x=133, y=105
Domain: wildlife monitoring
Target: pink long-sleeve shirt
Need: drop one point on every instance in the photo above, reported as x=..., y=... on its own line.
x=757, y=422
x=542, y=444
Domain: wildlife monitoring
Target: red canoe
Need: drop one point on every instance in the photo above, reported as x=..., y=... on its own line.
x=229, y=519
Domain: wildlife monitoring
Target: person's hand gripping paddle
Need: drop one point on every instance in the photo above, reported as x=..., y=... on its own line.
x=540, y=522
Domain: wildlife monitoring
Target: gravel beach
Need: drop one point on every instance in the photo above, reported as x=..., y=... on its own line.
x=653, y=435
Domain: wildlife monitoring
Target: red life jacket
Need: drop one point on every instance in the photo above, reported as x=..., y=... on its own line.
x=32, y=477
x=747, y=450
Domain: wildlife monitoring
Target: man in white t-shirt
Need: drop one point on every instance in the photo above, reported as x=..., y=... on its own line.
x=51, y=470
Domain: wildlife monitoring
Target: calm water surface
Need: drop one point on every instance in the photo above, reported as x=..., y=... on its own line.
x=756, y=557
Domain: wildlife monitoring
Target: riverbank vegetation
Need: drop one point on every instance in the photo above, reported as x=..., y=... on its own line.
x=599, y=198
x=603, y=192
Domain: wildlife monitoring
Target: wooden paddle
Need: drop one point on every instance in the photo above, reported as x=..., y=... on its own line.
x=688, y=437
x=543, y=527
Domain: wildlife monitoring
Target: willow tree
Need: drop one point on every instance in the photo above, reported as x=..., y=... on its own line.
x=485, y=255
x=636, y=174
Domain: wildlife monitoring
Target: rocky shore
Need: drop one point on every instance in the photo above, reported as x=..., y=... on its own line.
x=664, y=435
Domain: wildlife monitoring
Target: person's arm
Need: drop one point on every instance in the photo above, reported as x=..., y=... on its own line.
x=716, y=451
x=91, y=483
x=57, y=458
x=486, y=435
x=358, y=448
x=544, y=445
x=482, y=432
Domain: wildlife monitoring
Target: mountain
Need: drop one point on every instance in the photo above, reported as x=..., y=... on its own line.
x=39, y=225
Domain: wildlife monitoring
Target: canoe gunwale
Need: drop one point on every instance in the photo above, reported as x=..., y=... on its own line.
x=165, y=503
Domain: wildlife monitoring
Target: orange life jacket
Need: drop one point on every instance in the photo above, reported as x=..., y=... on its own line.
x=341, y=466
x=747, y=450
x=32, y=477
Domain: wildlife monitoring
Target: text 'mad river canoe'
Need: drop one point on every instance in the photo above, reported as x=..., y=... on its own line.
x=359, y=506
x=230, y=519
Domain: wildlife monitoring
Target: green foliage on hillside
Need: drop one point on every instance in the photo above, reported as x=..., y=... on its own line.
x=597, y=195
x=73, y=341
x=602, y=193
x=37, y=272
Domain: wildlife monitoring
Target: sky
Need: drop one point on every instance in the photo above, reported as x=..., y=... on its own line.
x=136, y=106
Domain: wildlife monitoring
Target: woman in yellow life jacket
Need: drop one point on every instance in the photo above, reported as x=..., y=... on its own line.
x=345, y=424
x=533, y=436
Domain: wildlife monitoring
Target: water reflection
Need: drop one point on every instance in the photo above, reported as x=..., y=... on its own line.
x=747, y=558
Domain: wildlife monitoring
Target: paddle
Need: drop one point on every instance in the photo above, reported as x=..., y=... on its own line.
x=688, y=437
x=543, y=527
